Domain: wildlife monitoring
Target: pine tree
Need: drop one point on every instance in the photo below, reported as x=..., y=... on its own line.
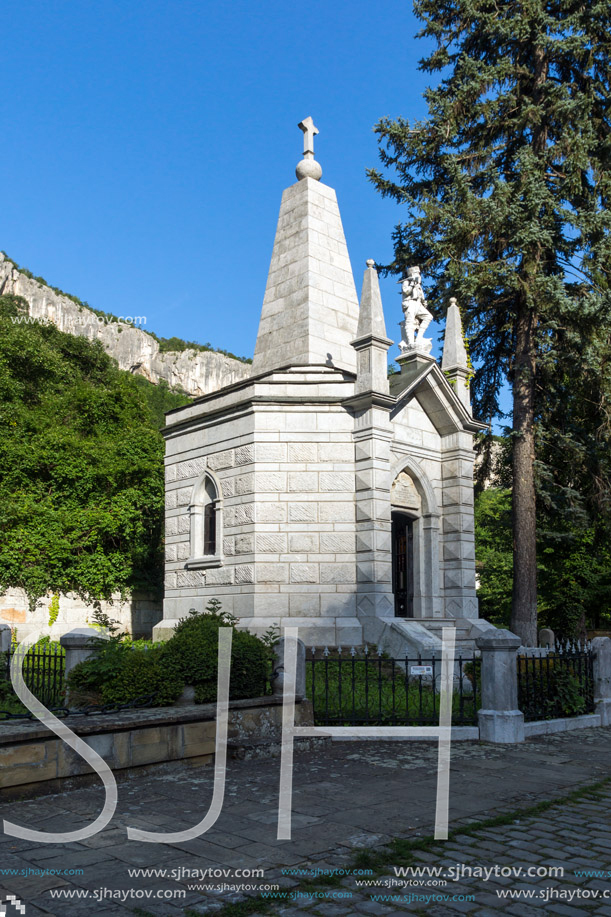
x=506, y=187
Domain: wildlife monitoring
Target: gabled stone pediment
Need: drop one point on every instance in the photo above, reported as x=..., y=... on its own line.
x=425, y=382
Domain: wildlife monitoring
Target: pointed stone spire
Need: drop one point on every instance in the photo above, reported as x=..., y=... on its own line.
x=371, y=343
x=454, y=350
x=371, y=314
x=310, y=308
x=455, y=360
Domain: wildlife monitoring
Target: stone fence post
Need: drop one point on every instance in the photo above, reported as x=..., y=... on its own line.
x=278, y=676
x=78, y=646
x=601, y=647
x=5, y=638
x=499, y=719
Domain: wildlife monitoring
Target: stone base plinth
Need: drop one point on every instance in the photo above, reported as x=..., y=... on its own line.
x=314, y=631
x=602, y=706
x=502, y=727
x=165, y=629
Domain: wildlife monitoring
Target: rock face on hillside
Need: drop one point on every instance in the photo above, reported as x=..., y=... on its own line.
x=195, y=372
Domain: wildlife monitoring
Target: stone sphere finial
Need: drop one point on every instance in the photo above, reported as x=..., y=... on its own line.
x=370, y=262
x=308, y=167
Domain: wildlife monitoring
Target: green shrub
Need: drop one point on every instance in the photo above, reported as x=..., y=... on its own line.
x=567, y=695
x=6, y=688
x=143, y=673
x=121, y=672
x=550, y=689
x=86, y=680
x=192, y=653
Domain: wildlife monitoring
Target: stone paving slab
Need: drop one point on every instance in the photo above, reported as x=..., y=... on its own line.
x=347, y=797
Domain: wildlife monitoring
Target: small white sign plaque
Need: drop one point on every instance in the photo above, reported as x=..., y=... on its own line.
x=421, y=670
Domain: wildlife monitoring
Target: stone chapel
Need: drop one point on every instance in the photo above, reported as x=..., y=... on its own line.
x=319, y=492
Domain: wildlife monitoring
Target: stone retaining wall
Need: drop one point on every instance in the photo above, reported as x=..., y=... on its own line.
x=33, y=759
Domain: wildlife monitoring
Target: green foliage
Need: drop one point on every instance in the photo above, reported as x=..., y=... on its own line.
x=192, y=653
x=53, y=609
x=81, y=459
x=87, y=680
x=42, y=667
x=122, y=669
x=504, y=185
x=271, y=637
x=574, y=573
x=505, y=190
x=5, y=691
x=175, y=344
x=574, y=568
x=365, y=691
x=493, y=554
x=101, y=621
x=214, y=607
x=574, y=439
x=160, y=398
x=566, y=695
x=550, y=688
x=143, y=672
x=7, y=695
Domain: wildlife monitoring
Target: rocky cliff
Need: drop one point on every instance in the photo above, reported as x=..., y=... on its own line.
x=195, y=372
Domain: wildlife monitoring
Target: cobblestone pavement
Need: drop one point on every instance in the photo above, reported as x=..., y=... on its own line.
x=348, y=796
x=486, y=873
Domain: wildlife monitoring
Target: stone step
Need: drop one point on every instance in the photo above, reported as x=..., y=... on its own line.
x=463, y=641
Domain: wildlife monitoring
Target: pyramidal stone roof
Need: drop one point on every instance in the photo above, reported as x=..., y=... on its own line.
x=310, y=309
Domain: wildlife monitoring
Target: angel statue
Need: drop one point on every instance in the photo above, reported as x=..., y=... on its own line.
x=417, y=316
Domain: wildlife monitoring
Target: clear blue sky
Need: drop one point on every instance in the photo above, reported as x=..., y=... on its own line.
x=147, y=145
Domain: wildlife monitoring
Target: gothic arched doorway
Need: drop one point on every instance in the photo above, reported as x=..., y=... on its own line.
x=403, y=564
x=415, y=542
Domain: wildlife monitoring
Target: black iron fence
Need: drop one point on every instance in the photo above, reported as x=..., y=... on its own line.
x=366, y=688
x=43, y=673
x=558, y=684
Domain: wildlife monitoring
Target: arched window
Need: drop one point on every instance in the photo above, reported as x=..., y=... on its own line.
x=206, y=519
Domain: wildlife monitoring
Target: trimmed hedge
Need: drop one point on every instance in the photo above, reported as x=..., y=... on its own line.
x=192, y=653
x=122, y=671
x=143, y=673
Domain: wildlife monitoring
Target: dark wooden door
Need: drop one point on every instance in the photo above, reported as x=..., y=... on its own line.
x=403, y=565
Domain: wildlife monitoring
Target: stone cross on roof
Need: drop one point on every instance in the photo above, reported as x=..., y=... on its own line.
x=309, y=130
x=308, y=167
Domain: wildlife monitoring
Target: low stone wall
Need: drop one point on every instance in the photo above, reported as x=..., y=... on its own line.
x=34, y=760
x=136, y=615
x=563, y=724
